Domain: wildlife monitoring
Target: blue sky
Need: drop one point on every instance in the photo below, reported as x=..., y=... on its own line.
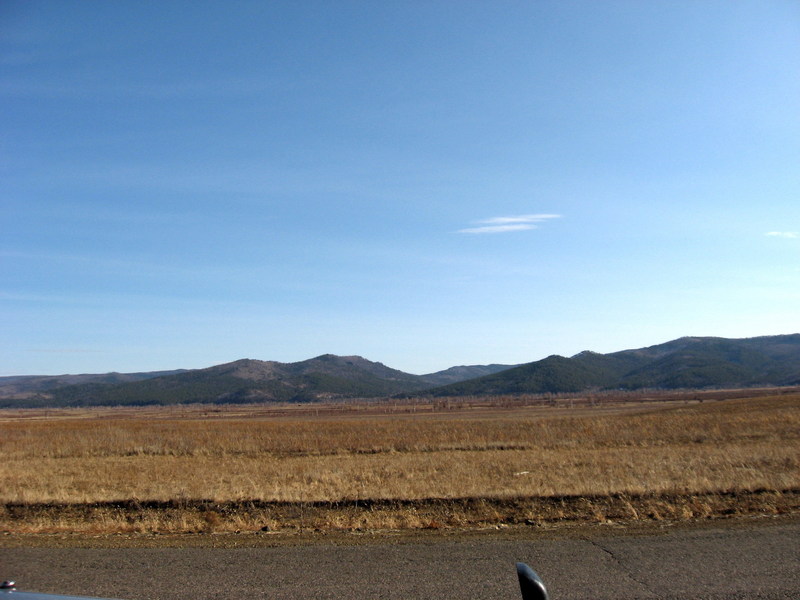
x=425, y=184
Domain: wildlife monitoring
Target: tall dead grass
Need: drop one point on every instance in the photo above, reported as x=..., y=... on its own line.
x=745, y=445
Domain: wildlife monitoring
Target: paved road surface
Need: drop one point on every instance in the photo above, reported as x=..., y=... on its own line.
x=754, y=561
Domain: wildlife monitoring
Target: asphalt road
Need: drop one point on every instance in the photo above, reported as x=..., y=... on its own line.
x=753, y=560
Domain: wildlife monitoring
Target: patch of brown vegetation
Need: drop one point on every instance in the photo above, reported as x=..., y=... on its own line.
x=112, y=470
x=434, y=513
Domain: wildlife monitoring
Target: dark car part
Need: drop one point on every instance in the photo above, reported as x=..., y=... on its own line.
x=530, y=583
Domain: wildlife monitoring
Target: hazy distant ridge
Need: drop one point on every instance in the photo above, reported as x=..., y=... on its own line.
x=689, y=362
x=246, y=380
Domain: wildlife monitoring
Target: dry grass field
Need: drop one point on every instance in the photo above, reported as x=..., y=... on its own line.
x=249, y=468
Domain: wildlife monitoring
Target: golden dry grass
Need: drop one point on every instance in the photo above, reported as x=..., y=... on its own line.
x=740, y=445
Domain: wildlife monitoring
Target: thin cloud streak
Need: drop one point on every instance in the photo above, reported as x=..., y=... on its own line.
x=520, y=219
x=506, y=224
x=784, y=234
x=497, y=228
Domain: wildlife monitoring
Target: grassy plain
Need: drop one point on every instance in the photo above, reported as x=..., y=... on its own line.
x=258, y=468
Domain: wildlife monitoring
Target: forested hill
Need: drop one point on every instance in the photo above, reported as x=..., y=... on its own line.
x=325, y=377
x=689, y=362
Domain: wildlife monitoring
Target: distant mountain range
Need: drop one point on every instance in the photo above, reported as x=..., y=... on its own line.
x=325, y=377
x=690, y=362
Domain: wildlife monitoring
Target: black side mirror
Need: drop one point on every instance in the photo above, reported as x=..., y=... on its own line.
x=530, y=583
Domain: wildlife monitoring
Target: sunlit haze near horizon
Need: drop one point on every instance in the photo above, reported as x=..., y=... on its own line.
x=425, y=184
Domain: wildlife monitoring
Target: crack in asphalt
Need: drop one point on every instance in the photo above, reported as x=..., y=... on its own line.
x=622, y=566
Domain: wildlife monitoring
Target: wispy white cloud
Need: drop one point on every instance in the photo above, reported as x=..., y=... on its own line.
x=506, y=224
x=784, y=234
x=497, y=228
